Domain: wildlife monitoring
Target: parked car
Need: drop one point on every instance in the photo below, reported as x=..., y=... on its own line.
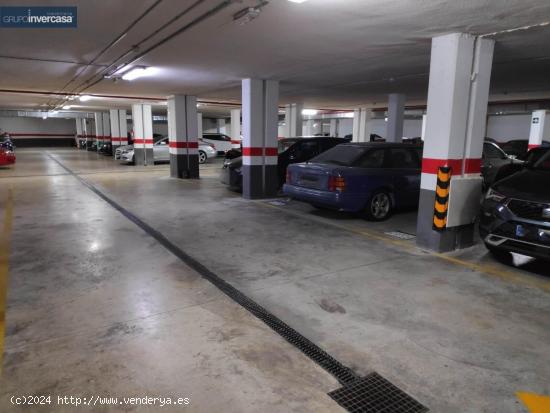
x=518, y=147
x=7, y=156
x=515, y=214
x=373, y=178
x=494, y=158
x=221, y=142
x=106, y=148
x=291, y=150
x=91, y=145
x=161, y=152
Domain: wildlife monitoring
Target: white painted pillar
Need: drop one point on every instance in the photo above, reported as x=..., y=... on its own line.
x=538, y=123
x=260, y=119
x=294, y=120
x=98, y=118
x=78, y=122
x=333, y=127
x=458, y=90
x=236, y=128
x=183, y=136
x=142, y=121
x=199, y=125
x=123, y=127
x=424, y=117
x=396, y=115
x=115, y=129
x=220, y=123
x=362, y=125
x=106, y=126
x=308, y=129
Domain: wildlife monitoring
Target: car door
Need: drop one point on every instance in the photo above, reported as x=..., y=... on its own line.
x=161, y=151
x=404, y=164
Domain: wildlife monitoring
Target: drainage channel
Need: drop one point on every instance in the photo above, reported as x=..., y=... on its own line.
x=365, y=397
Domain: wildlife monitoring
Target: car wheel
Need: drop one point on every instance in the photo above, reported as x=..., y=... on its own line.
x=202, y=157
x=379, y=206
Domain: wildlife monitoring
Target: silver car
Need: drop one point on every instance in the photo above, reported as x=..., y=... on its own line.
x=161, y=152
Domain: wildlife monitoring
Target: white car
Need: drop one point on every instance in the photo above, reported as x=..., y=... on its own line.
x=221, y=142
x=161, y=152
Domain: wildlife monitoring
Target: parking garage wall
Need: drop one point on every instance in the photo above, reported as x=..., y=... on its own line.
x=38, y=132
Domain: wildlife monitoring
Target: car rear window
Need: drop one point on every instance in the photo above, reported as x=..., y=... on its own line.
x=344, y=155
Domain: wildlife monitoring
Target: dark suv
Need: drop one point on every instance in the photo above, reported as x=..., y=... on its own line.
x=515, y=215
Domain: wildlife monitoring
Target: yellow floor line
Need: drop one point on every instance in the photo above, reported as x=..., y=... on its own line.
x=492, y=270
x=536, y=403
x=4, y=261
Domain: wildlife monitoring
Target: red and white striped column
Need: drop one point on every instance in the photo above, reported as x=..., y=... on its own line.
x=260, y=120
x=235, y=128
x=142, y=120
x=98, y=120
x=538, y=122
x=78, y=131
x=183, y=136
x=458, y=92
x=106, y=127
x=119, y=130
x=294, y=120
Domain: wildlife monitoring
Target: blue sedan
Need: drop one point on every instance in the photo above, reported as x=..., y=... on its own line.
x=374, y=178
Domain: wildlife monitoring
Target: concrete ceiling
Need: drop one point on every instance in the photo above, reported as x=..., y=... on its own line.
x=326, y=53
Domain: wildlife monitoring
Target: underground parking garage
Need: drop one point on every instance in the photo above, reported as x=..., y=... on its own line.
x=279, y=206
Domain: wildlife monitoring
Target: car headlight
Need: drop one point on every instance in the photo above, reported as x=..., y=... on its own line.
x=494, y=195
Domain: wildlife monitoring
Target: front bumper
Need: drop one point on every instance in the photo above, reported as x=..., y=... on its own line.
x=127, y=157
x=340, y=201
x=501, y=229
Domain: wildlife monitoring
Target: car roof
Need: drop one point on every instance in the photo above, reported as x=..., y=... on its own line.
x=383, y=145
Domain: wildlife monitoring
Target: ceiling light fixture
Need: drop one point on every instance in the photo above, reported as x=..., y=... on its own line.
x=45, y=115
x=67, y=107
x=311, y=112
x=138, y=72
x=85, y=98
x=297, y=1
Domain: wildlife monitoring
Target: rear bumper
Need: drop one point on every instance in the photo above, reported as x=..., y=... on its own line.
x=231, y=178
x=7, y=159
x=340, y=201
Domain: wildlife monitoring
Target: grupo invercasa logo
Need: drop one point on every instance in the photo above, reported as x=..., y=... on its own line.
x=38, y=17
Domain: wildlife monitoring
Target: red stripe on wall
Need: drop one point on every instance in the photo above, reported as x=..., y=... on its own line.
x=258, y=151
x=471, y=165
x=190, y=145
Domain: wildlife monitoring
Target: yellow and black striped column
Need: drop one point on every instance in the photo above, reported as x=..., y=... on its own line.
x=442, y=198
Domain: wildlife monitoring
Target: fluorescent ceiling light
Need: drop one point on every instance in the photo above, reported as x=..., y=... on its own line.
x=137, y=72
x=297, y=1
x=67, y=107
x=85, y=98
x=53, y=112
x=310, y=112
x=44, y=116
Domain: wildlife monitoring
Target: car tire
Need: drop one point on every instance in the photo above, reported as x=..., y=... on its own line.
x=379, y=207
x=202, y=157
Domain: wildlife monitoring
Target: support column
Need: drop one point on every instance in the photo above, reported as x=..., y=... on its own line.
x=308, y=131
x=396, y=115
x=260, y=119
x=86, y=133
x=294, y=120
x=333, y=127
x=106, y=127
x=183, y=136
x=142, y=120
x=98, y=118
x=538, y=122
x=199, y=125
x=220, y=124
x=424, y=118
x=123, y=127
x=460, y=71
x=115, y=129
x=235, y=128
x=78, y=132
x=362, y=125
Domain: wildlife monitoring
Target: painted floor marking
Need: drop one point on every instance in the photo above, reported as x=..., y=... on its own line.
x=535, y=403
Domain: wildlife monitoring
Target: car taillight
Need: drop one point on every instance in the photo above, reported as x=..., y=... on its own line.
x=336, y=183
x=288, y=176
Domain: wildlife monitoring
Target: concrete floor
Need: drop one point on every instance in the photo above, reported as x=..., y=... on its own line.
x=97, y=307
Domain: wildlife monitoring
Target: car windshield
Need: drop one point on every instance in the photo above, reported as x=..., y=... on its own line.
x=284, y=144
x=344, y=155
x=541, y=162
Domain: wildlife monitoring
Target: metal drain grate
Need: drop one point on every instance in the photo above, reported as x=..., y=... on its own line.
x=374, y=394
x=400, y=235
